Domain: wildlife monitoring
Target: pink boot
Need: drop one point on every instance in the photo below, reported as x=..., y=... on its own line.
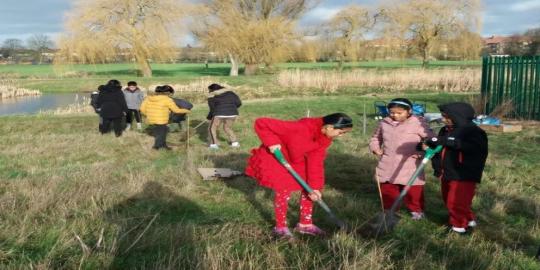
x=310, y=229
x=282, y=233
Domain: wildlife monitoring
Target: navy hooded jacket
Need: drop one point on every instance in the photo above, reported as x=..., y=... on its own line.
x=465, y=146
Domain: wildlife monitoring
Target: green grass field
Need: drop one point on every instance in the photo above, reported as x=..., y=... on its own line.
x=77, y=78
x=71, y=198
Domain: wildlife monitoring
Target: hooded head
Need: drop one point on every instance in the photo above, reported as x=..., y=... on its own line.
x=214, y=87
x=164, y=90
x=113, y=85
x=460, y=113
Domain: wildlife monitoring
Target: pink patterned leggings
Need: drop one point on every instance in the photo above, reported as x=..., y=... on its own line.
x=281, y=203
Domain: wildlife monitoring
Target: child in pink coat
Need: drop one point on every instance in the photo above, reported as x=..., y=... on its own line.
x=395, y=142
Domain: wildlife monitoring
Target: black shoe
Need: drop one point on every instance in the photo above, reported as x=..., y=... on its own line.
x=162, y=148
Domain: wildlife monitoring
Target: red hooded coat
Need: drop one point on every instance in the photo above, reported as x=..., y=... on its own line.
x=302, y=144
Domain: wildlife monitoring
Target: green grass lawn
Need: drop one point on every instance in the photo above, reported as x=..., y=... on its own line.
x=77, y=78
x=72, y=198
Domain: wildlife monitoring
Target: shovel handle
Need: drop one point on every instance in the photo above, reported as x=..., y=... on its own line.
x=279, y=155
x=429, y=154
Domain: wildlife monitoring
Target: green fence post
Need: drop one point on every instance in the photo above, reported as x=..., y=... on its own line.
x=483, y=87
x=536, y=95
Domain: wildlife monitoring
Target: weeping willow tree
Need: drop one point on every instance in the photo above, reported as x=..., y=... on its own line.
x=424, y=23
x=99, y=31
x=252, y=32
x=348, y=28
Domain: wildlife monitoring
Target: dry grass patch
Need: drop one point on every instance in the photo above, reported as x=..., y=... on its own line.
x=8, y=89
x=445, y=80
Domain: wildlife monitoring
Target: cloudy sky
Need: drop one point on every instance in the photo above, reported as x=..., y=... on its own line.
x=22, y=18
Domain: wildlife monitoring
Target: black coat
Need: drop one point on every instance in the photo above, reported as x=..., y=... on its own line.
x=112, y=103
x=465, y=146
x=223, y=103
x=93, y=101
x=179, y=117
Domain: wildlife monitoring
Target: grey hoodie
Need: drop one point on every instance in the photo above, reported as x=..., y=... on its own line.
x=133, y=99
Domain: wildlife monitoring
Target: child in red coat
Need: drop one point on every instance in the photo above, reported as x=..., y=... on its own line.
x=303, y=143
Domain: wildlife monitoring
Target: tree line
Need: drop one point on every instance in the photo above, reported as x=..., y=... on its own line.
x=15, y=50
x=263, y=32
x=257, y=33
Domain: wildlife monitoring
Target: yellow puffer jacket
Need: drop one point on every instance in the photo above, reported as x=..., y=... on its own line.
x=157, y=108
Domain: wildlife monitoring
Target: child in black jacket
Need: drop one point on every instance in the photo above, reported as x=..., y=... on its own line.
x=223, y=104
x=113, y=107
x=460, y=164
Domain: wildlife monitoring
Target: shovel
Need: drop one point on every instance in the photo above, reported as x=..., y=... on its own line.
x=386, y=221
x=190, y=131
x=279, y=156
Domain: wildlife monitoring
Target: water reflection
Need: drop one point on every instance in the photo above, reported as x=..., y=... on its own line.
x=35, y=104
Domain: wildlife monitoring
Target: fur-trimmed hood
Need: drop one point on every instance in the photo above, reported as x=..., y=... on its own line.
x=219, y=92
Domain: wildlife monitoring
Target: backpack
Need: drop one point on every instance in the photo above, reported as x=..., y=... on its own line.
x=93, y=101
x=179, y=117
x=418, y=109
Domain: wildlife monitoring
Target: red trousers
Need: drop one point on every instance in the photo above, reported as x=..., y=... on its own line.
x=414, y=200
x=458, y=197
x=281, y=203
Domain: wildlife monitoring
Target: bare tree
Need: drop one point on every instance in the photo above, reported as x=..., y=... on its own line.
x=348, y=27
x=464, y=46
x=249, y=31
x=517, y=45
x=100, y=30
x=39, y=43
x=307, y=51
x=534, y=35
x=10, y=47
x=423, y=22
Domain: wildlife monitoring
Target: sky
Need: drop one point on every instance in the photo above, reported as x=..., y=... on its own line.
x=22, y=18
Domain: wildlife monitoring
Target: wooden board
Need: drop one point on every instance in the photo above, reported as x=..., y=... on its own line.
x=216, y=173
x=502, y=128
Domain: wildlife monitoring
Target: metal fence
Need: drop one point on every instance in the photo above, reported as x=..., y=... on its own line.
x=514, y=79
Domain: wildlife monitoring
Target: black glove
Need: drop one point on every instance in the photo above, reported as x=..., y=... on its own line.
x=432, y=142
x=447, y=141
x=419, y=147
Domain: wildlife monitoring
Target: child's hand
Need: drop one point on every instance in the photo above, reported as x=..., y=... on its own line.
x=378, y=152
x=315, y=195
x=273, y=148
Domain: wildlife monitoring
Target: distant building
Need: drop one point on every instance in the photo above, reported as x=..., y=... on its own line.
x=494, y=45
x=501, y=45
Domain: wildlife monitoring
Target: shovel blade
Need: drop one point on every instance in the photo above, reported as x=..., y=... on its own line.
x=382, y=223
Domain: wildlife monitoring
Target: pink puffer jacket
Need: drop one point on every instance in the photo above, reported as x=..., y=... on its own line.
x=398, y=141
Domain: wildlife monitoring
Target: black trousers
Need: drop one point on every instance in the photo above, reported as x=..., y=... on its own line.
x=117, y=125
x=160, y=135
x=538, y=254
x=129, y=116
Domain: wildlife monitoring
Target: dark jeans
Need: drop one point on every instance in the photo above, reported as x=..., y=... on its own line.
x=129, y=116
x=160, y=135
x=117, y=125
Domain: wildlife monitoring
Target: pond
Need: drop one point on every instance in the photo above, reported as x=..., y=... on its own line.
x=35, y=104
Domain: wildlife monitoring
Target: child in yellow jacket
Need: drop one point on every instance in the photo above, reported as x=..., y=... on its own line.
x=157, y=109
